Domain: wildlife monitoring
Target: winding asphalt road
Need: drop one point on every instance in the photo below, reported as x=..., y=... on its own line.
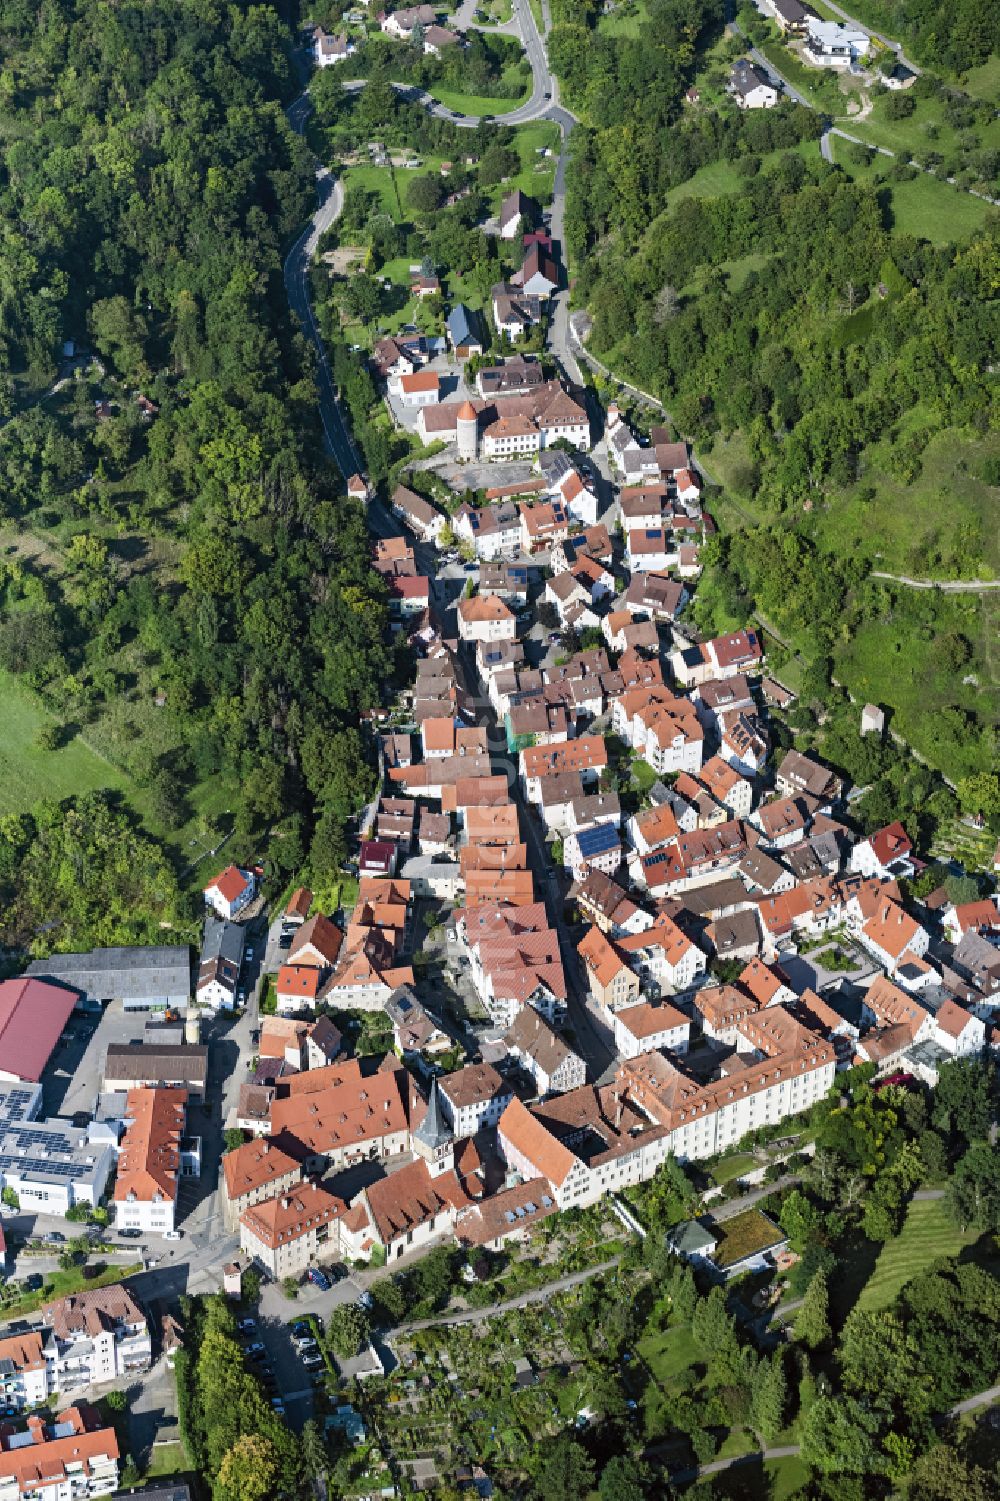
x=543, y=104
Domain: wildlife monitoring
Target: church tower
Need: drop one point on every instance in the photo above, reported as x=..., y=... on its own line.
x=432, y=1140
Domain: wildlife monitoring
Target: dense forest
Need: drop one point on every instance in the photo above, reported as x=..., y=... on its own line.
x=951, y=34
x=185, y=583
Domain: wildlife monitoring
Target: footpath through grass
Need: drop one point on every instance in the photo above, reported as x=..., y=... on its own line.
x=928, y=1232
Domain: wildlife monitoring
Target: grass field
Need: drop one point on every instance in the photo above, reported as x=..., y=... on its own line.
x=625, y=20
x=476, y=104
x=27, y=774
x=902, y=528
x=786, y=1477
x=927, y=1232
x=926, y=207
x=721, y=177
x=669, y=1353
x=926, y=130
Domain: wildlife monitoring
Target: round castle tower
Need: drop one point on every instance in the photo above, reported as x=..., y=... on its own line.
x=467, y=431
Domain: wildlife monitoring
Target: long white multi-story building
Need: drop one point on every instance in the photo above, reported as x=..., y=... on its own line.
x=597, y=1140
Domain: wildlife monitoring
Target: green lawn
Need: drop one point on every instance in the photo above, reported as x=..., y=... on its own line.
x=733, y=1167
x=925, y=207
x=27, y=774
x=625, y=20
x=669, y=1353
x=936, y=211
x=926, y=130
x=786, y=1477
x=716, y=179
x=476, y=104
x=892, y=660
x=927, y=1232
x=984, y=82
x=166, y=1459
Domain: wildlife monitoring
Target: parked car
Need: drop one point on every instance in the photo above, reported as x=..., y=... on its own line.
x=129, y=1234
x=313, y=1362
x=55, y=1238
x=319, y=1279
x=245, y=1325
x=173, y=1234
x=301, y=1330
x=255, y=1347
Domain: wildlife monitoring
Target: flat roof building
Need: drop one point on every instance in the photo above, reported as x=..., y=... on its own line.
x=50, y=1165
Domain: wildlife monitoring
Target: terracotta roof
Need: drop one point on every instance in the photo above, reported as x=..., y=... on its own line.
x=472, y=1085
x=585, y=752
x=420, y=380
x=318, y=933
x=512, y=1211
x=47, y=1463
x=229, y=883
x=149, y=1159
x=601, y=957
x=890, y=843
x=538, y=1146
x=345, y=1114
x=92, y=1311
x=300, y=903
x=301, y=980
x=484, y=607
x=952, y=1019
x=290, y=1216
x=255, y=1164
x=24, y=1351
x=891, y=929
x=411, y=1197
x=893, y=1006
x=648, y=1018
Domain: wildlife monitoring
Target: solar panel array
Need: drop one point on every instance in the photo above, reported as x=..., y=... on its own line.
x=39, y=1148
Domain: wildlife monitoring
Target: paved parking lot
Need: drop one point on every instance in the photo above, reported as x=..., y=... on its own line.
x=73, y=1079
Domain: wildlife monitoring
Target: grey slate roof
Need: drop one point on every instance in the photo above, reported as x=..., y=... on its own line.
x=121, y=973
x=223, y=940
x=433, y=1130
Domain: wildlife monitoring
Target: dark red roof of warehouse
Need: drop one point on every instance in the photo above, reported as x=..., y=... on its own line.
x=33, y=1014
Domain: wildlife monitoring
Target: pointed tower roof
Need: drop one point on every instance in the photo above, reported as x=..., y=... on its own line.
x=467, y=412
x=433, y=1130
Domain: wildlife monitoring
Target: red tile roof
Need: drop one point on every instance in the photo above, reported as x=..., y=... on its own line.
x=33, y=1014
